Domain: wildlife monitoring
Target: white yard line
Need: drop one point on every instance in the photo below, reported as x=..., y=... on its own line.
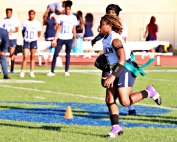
x=21, y=81
x=77, y=95
x=94, y=70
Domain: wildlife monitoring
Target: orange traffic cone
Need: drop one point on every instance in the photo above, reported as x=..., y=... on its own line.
x=68, y=114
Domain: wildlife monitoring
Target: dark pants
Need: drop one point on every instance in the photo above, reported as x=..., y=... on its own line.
x=4, y=65
x=60, y=43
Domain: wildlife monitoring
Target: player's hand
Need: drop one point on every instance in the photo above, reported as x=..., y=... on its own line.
x=99, y=53
x=143, y=39
x=2, y=53
x=10, y=32
x=54, y=43
x=74, y=43
x=93, y=42
x=109, y=81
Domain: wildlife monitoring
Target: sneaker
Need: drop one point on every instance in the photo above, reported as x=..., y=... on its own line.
x=115, y=131
x=132, y=112
x=32, y=74
x=66, y=73
x=154, y=95
x=50, y=74
x=22, y=74
x=6, y=77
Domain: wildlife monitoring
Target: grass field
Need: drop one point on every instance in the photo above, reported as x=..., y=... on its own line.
x=32, y=109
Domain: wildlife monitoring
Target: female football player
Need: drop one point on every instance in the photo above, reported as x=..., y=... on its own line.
x=117, y=54
x=31, y=31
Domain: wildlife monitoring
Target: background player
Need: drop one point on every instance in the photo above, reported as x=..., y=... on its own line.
x=31, y=30
x=11, y=24
x=66, y=30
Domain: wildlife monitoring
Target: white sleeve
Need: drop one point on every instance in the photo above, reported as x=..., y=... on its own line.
x=125, y=30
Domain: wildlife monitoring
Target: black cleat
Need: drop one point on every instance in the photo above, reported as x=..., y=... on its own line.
x=132, y=112
x=6, y=77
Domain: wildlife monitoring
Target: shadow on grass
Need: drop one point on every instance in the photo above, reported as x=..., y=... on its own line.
x=53, y=128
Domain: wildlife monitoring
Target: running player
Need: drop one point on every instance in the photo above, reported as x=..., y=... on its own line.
x=114, y=9
x=66, y=30
x=117, y=55
x=31, y=30
x=11, y=24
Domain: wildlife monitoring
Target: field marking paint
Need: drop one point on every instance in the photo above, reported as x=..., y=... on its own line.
x=94, y=70
x=77, y=95
x=38, y=97
x=21, y=81
x=52, y=92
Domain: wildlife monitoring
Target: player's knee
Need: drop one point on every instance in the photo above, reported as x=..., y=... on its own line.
x=109, y=102
x=25, y=57
x=125, y=102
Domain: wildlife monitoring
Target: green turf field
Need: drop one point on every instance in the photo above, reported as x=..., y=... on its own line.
x=19, y=94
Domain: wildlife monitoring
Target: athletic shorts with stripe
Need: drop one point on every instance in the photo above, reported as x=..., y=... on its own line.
x=126, y=78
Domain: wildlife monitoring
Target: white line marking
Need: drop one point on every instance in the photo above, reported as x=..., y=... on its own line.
x=95, y=70
x=78, y=95
x=38, y=97
x=47, y=91
x=20, y=81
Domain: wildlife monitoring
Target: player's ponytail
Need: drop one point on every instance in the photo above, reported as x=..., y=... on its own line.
x=114, y=21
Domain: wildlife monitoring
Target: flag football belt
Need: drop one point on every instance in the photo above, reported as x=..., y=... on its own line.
x=135, y=68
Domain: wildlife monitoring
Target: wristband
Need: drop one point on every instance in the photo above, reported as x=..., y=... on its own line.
x=117, y=70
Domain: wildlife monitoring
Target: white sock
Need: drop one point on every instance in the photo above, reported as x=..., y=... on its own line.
x=131, y=107
x=148, y=94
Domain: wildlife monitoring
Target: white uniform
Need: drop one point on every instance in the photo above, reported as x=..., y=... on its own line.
x=10, y=25
x=67, y=22
x=110, y=51
x=31, y=29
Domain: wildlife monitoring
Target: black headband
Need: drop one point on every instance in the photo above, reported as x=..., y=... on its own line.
x=114, y=7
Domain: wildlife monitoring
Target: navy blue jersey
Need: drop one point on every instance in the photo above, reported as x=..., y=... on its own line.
x=4, y=40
